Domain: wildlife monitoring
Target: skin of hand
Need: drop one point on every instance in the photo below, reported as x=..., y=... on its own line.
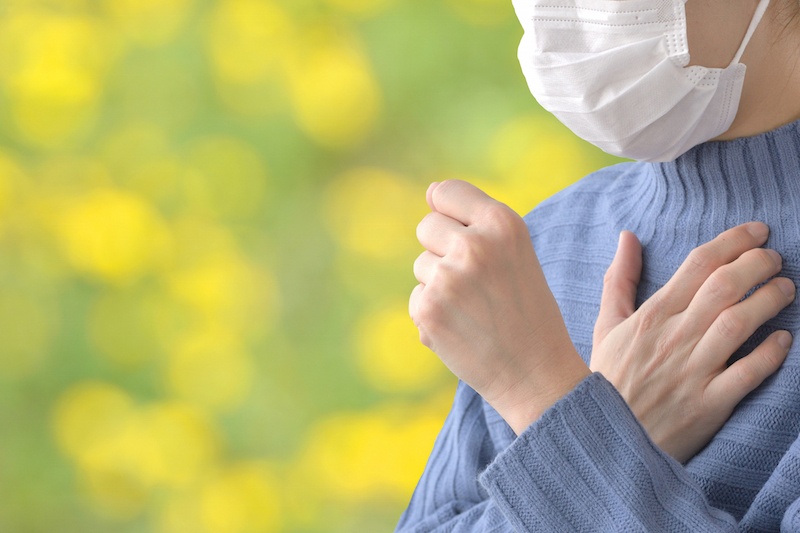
x=484, y=307
x=668, y=358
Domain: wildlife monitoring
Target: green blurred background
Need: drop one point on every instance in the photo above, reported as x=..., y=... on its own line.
x=207, y=231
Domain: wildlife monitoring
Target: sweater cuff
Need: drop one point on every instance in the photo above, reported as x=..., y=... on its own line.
x=588, y=464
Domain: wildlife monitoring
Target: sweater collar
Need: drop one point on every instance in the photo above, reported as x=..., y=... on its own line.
x=718, y=185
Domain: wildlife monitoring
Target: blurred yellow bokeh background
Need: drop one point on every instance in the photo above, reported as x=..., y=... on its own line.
x=207, y=231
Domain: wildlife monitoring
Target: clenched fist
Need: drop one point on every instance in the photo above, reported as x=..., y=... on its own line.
x=484, y=307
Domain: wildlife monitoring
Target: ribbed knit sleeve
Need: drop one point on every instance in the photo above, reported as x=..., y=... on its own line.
x=588, y=465
x=585, y=465
x=791, y=520
x=448, y=496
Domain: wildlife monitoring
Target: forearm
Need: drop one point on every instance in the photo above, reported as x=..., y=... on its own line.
x=533, y=396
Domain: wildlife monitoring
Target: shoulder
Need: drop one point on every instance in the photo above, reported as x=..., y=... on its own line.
x=587, y=202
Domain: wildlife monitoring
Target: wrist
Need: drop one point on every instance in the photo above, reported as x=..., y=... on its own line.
x=523, y=406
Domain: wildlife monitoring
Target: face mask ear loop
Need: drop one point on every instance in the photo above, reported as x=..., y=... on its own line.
x=760, y=10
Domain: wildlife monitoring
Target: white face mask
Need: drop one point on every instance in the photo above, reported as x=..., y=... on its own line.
x=614, y=72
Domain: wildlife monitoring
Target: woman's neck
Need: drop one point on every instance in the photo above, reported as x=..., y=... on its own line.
x=771, y=94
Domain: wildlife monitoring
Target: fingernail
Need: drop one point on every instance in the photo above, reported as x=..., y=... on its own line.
x=759, y=230
x=786, y=286
x=785, y=339
x=775, y=256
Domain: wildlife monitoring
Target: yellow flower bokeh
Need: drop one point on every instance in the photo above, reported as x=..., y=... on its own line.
x=374, y=212
x=10, y=175
x=53, y=71
x=352, y=459
x=28, y=326
x=243, y=497
x=141, y=158
x=248, y=39
x=210, y=367
x=180, y=514
x=114, y=235
x=62, y=180
x=225, y=178
x=87, y=412
x=248, y=42
x=124, y=451
x=361, y=8
x=333, y=90
x=390, y=355
x=184, y=440
x=122, y=327
x=218, y=283
x=148, y=22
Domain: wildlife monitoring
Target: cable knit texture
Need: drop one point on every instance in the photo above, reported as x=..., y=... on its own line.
x=587, y=464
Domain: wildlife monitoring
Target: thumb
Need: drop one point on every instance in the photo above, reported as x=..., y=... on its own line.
x=620, y=285
x=429, y=195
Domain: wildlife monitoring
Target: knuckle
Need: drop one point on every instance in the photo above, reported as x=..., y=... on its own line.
x=773, y=357
x=423, y=224
x=722, y=285
x=412, y=307
x=427, y=312
x=730, y=324
x=470, y=251
x=765, y=260
x=443, y=279
x=444, y=189
x=747, y=376
x=416, y=266
x=504, y=219
x=651, y=312
x=699, y=262
x=738, y=238
x=424, y=338
x=449, y=287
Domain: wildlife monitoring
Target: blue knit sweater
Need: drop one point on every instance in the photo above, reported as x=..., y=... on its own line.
x=587, y=464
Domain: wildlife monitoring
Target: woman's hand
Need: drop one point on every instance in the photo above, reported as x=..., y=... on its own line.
x=484, y=307
x=668, y=358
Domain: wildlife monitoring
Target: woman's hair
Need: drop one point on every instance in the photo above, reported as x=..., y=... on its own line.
x=789, y=13
x=787, y=17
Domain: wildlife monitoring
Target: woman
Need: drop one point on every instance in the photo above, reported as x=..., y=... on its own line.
x=647, y=420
